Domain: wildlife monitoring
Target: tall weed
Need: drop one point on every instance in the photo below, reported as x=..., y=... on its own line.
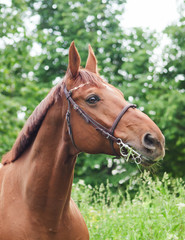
x=156, y=212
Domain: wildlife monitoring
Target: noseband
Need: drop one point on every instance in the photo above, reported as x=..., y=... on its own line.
x=107, y=133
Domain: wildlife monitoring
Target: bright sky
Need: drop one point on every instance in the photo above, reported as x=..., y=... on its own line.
x=155, y=14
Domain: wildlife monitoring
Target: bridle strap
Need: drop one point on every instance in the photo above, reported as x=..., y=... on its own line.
x=115, y=123
x=109, y=134
x=68, y=119
x=103, y=130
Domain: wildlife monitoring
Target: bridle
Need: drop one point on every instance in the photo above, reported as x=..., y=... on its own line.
x=107, y=133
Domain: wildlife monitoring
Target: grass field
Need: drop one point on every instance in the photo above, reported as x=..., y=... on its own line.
x=156, y=212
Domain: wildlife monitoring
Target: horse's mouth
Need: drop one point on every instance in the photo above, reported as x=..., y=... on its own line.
x=148, y=162
x=145, y=162
x=130, y=153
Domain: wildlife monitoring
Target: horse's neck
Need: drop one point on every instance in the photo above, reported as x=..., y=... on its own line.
x=50, y=164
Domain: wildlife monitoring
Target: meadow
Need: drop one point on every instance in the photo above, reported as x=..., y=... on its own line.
x=148, y=209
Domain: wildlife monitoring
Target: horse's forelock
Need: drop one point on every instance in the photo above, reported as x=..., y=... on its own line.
x=90, y=77
x=85, y=76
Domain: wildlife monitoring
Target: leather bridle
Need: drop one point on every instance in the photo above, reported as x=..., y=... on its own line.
x=107, y=133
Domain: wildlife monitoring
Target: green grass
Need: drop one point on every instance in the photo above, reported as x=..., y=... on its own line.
x=156, y=212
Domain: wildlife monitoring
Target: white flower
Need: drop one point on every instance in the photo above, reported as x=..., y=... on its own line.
x=180, y=205
x=172, y=237
x=81, y=182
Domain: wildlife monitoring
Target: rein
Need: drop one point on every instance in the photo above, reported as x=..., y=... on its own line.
x=107, y=133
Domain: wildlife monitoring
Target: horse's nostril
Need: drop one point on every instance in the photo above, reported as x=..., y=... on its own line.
x=149, y=141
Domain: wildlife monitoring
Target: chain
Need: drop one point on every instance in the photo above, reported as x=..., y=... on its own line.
x=127, y=152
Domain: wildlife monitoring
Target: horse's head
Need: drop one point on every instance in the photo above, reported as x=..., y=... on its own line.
x=103, y=103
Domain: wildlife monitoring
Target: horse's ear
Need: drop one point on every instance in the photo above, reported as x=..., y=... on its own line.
x=74, y=60
x=91, y=63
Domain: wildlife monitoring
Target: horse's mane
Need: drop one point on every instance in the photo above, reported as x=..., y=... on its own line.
x=32, y=126
x=35, y=120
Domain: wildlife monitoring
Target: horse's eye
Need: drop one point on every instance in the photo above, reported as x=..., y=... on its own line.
x=92, y=99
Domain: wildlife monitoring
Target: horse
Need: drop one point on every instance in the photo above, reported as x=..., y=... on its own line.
x=82, y=113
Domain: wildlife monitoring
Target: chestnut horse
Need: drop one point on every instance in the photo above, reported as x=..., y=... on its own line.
x=36, y=175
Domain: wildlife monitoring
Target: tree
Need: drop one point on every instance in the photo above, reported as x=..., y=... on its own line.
x=19, y=92
x=86, y=22
x=171, y=100
x=124, y=59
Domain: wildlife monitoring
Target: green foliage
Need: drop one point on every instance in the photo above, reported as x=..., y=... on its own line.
x=97, y=169
x=19, y=92
x=86, y=22
x=173, y=89
x=155, y=212
x=124, y=59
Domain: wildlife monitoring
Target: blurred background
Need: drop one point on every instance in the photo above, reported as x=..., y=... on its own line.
x=140, y=47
